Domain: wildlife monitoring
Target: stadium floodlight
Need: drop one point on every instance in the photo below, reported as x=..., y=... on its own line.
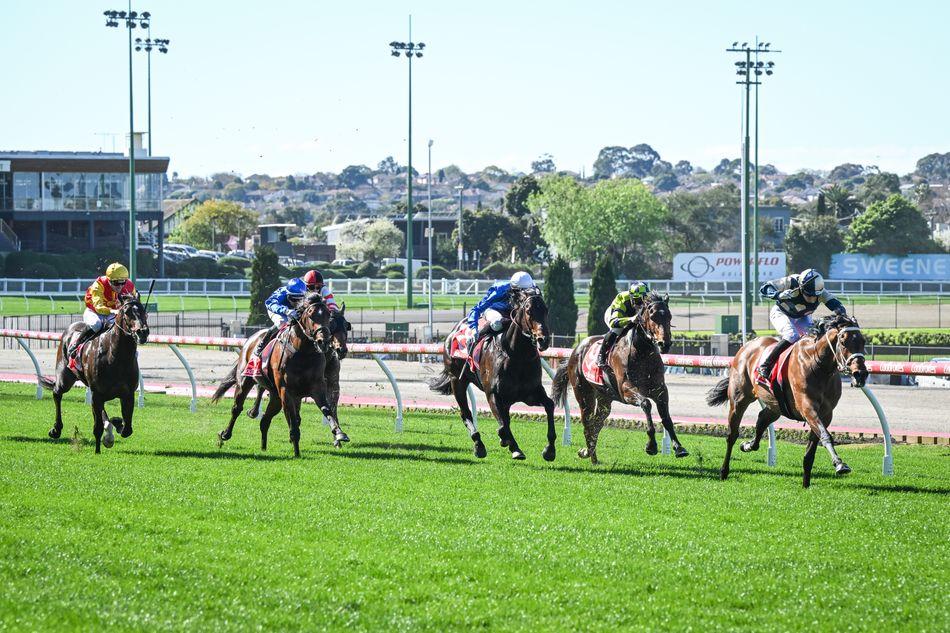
x=149, y=43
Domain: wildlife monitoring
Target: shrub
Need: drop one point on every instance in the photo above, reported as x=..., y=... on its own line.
x=18, y=261
x=41, y=270
x=367, y=269
x=390, y=268
x=394, y=274
x=236, y=262
x=199, y=268
x=438, y=272
x=603, y=289
x=265, y=279
x=501, y=270
x=559, y=295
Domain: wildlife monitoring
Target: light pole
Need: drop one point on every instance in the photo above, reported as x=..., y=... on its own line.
x=410, y=49
x=132, y=20
x=429, y=202
x=461, y=250
x=147, y=45
x=749, y=72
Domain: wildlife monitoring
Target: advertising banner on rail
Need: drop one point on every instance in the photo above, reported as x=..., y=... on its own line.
x=890, y=268
x=724, y=266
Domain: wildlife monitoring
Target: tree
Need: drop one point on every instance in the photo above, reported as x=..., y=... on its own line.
x=265, y=279
x=388, y=166
x=603, y=289
x=934, y=167
x=544, y=164
x=218, y=219
x=371, y=241
x=703, y=221
x=516, y=198
x=846, y=171
x=841, y=203
x=355, y=175
x=235, y=192
x=728, y=167
x=801, y=180
x=878, y=187
x=622, y=162
x=811, y=243
x=290, y=183
x=891, y=227
x=559, y=295
x=683, y=168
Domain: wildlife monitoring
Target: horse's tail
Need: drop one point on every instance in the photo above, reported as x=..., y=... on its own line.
x=442, y=383
x=559, y=383
x=718, y=394
x=229, y=381
x=47, y=383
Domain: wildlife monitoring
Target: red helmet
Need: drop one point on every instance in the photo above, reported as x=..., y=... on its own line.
x=313, y=279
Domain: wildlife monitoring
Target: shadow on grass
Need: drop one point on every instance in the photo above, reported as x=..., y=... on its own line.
x=902, y=488
x=26, y=439
x=221, y=454
x=411, y=457
x=407, y=446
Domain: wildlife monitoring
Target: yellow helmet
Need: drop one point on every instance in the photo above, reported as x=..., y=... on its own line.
x=117, y=272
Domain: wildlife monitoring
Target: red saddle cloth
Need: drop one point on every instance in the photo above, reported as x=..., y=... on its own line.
x=459, y=341
x=778, y=383
x=265, y=360
x=75, y=361
x=589, y=368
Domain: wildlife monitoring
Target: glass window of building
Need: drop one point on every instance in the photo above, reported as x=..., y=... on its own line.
x=26, y=191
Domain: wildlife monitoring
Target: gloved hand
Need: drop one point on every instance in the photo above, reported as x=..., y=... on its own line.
x=785, y=295
x=293, y=314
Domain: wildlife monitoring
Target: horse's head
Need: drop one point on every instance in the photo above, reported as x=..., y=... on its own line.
x=655, y=318
x=339, y=332
x=131, y=317
x=847, y=342
x=530, y=314
x=313, y=320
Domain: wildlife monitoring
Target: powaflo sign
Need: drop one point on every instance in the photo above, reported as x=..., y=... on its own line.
x=724, y=266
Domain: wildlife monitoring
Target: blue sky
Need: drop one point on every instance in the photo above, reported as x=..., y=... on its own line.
x=297, y=87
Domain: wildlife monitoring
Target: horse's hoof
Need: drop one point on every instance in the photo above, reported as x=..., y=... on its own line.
x=341, y=437
x=651, y=448
x=549, y=453
x=582, y=453
x=126, y=431
x=224, y=436
x=842, y=469
x=681, y=452
x=252, y=413
x=723, y=474
x=337, y=444
x=517, y=455
x=54, y=433
x=108, y=437
x=480, y=451
x=746, y=447
x=503, y=443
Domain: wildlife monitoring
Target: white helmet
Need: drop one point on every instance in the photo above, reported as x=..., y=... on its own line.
x=522, y=280
x=811, y=282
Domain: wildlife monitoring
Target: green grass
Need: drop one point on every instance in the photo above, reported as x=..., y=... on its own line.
x=410, y=532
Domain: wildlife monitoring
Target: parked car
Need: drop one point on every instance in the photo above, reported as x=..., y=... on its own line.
x=935, y=381
x=188, y=251
x=242, y=254
x=289, y=262
x=343, y=262
x=209, y=254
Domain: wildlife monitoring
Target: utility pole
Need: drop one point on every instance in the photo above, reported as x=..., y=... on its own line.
x=461, y=249
x=749, y=71
x=429, y=231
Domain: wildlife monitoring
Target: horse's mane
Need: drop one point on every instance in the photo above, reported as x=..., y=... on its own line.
x=831, y=322
x=312, y=299
x=653, y=296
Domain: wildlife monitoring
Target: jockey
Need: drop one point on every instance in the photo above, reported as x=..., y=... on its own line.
x=618, y=316
x=796, y=297
x=282, y=307
x=495, y=306
x=102, y=303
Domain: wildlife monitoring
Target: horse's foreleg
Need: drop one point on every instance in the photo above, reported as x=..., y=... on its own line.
x=329, y=412
x=662, y=399
x=647, y=407
x=460, y=391
x=273, y=408
x=240, y=394
x=291, y=406
x=809, y=459
x=98, y=410
x=820, y=429
x=766, y=417
x=502, y=410
x=593, y=424
x=256, y=408
x=550, y=451
x=128, y=408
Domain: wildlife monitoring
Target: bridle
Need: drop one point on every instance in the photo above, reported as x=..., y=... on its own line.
x=841, y=360
x=305, y=334
x=115, y=323
x=522, y=309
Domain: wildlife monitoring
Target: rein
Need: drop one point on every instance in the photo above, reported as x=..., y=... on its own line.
x=841, y=360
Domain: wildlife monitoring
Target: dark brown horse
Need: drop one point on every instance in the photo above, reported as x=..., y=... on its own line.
x=834, y=345
x=509, y=372
x=108, y=366
x=636, y=376
x=296, y=369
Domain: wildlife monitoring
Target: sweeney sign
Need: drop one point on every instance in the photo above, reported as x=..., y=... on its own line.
x=888, y=267
x=724, y=266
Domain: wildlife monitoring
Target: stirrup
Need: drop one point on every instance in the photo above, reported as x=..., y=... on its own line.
x=762, y=378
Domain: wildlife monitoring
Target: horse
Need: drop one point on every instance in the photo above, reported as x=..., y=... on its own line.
x=636, y=375
x=108, y=366
x=297, y=369
x=509, y=372
x=339, y=334
x=835, y=344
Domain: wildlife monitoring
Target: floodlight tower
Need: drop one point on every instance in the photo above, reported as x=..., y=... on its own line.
x=149, y=43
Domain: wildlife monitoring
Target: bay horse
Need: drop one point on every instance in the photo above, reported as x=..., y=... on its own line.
x=636, y=375
x=295, y=369
x=108, y=366
x=834, y=345
x=339, y=334
x=509, y=372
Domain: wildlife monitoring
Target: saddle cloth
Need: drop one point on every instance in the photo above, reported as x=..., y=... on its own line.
x=589, y=368
x=778, y=383
x=265, y=358
x=75, y=361
x=459, y=341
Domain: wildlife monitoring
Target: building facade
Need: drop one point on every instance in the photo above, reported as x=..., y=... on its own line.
x=66, y=201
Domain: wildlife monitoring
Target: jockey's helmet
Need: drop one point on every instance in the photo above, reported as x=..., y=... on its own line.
x=639, y=289
x=313, y=279
x=811, y=282
x=522, y=281
x=296, y=288
x=117, y=273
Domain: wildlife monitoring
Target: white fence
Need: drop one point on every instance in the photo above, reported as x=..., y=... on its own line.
x=470, y=287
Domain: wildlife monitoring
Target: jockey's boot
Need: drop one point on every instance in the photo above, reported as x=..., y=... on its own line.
x=765, y=369
x=87, y=334
x=254, y=362
x=485, y=331
x=605, y=348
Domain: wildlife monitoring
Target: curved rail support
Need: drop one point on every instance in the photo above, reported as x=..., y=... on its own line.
x=666, y=442
x=142, y=390
x=191, y=377
x=36, y=367
x=395, y=385
x=888, y=469
x=566, y=435
x=773, y=453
